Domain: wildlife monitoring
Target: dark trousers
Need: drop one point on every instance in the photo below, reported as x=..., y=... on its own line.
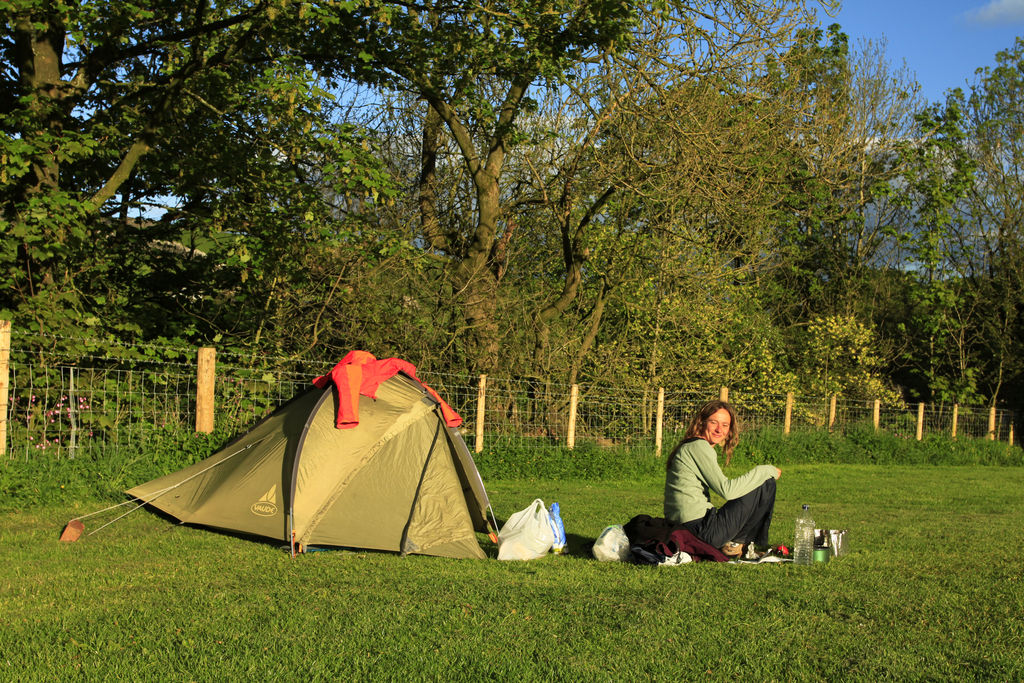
x=742, y=519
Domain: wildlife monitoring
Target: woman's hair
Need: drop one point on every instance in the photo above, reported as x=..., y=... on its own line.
x=700, y=422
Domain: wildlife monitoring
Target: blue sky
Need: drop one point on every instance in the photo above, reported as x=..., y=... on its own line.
x=942, y=41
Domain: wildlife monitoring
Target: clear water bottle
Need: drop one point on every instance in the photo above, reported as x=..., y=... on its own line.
x=558, y=529
x=803, y=542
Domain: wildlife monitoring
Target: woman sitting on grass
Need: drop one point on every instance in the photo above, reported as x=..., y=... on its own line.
x=693, y=470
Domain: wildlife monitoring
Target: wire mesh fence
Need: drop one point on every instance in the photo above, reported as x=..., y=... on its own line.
x=58, y=410
x=104, y=403
x=101, y=404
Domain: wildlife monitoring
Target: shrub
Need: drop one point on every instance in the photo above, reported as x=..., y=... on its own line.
x=103, y=474
x=508, y=459
x=865, y=445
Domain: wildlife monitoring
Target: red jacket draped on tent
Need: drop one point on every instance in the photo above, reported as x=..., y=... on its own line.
x=361, y=373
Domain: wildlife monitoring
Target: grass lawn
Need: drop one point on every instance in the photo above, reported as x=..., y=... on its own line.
x=931, y=589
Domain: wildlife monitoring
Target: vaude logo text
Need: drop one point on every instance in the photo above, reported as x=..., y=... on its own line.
x=266, y=506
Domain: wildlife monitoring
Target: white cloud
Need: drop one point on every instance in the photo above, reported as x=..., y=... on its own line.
x=998, y=12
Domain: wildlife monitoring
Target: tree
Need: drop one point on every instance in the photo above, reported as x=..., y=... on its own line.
x=146, y=150
x=840, y=356
x=852, y=112
x=476, y=69
x=937, y=175
x=989, y=219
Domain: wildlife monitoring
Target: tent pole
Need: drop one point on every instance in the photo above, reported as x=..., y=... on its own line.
x=327, y=393
x=419, y=485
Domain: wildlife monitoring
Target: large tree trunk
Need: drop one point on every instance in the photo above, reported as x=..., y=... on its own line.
x=477, y=273
x=428, y=179
x=573, y=258
x=591, y=335
x=39, y=43
x=477, y=280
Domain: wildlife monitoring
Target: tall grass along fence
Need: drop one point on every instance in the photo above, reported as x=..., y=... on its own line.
x=117, y=401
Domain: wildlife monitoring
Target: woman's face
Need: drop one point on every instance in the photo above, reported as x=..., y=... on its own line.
x=716, y=429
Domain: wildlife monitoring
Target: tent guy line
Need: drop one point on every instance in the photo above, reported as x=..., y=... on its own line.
x=155, y=496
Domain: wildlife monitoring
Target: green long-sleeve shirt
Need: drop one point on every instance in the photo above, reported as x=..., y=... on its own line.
x=694, y=471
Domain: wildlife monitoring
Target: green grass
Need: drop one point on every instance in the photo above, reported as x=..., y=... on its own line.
x=931, y=589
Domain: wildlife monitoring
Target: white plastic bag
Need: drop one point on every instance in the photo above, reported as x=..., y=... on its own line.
x=527, y=534
x=612, y=545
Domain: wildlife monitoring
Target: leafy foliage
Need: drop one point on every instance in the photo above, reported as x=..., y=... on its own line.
x=101, y=475
x=841, y=357
x=155, y=157
x=637, y=195
x=864, y=445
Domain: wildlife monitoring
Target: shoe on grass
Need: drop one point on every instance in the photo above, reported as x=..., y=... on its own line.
x=732, y=549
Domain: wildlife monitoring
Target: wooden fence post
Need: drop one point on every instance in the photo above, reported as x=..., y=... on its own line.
x=992, y=424
x=659, y=421
x=876, y=413
x=723, y=394
x=72, y=415
x=832, y=412
x=481, y=398
x=206, y=374
x=1011, y=431
x=574, y=397
x=788, y=422
x=5, y=377
x=956, y=415
x=920, y=420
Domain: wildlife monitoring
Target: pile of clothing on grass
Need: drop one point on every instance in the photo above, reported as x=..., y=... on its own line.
x=656, y=541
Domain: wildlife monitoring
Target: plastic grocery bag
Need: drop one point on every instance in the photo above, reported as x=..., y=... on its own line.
x=527, y=534
x=612, y=545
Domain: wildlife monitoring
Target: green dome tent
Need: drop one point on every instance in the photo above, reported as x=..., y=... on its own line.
x=399, y=480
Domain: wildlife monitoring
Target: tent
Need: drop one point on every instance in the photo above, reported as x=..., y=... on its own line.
x=382, y=469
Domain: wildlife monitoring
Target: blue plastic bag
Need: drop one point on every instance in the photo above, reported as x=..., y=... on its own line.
x=558, y=529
